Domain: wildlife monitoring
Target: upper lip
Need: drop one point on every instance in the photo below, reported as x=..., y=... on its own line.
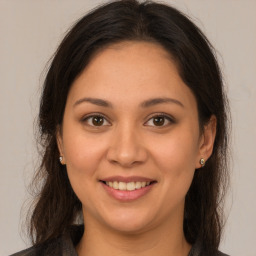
x=127, y=179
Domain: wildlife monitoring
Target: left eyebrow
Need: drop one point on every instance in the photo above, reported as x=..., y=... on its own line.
x=155, y=101
x=95, y=101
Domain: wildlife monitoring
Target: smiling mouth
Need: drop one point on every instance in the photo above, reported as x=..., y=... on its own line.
x=128, y=186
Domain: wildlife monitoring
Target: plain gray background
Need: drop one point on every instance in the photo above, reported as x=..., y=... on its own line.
x=29, y=34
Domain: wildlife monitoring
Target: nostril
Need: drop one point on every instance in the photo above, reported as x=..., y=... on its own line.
x=126, y=153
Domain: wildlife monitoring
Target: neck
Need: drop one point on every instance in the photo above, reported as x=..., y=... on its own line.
x=161, y=241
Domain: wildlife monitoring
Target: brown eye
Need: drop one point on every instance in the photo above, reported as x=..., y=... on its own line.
x=96, y=121
x=158, y=121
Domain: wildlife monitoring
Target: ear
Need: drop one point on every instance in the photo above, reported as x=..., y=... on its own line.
x=207, y=140
x=60, y=144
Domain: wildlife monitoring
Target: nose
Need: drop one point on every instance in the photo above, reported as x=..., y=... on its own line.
x=126, y=147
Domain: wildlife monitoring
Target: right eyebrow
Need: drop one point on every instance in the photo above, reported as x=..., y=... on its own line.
x=95, y=101
x=155, y=101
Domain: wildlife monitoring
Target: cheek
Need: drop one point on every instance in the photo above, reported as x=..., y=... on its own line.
x=83, y=153
x=180, y=150
x=83, y=158
x=176, y=156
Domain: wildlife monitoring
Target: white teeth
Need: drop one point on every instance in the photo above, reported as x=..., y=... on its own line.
x=122, y=186
x=138, y=185
x=115, y=185
x=130, y=186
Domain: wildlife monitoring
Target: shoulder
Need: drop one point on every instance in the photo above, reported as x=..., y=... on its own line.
x=199, y=250
x=221, y=254
x=52, y=247
x=32, y=251
x=28, y=252
x=62, y=245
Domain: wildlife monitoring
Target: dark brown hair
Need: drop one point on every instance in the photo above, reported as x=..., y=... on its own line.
x=57, y=206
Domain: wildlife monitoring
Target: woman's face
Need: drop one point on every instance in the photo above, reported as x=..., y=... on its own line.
x=130, y=138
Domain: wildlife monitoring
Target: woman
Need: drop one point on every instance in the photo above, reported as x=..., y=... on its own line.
x=133, y=121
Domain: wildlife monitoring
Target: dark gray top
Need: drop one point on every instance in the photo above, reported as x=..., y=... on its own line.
x=65, y=246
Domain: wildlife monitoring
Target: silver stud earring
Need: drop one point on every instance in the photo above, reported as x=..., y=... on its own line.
x=202, y=162
x=61, y=159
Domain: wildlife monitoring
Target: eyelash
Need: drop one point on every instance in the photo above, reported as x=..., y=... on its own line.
x=86, y=118
x=166, y=117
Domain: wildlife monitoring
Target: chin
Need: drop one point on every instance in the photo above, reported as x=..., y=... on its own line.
x=129, y=222
x=129, y=228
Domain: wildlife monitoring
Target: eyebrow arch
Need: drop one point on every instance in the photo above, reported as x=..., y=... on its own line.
x=144, y=104
x=155, y=101
x=95, y=101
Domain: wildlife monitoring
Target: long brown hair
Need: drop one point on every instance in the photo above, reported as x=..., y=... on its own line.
x=57, y=206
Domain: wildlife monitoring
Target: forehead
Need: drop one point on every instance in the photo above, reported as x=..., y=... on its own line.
x=131, y=52
x=131, y=71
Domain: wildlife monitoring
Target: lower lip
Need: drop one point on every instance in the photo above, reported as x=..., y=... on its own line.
x=126, y=195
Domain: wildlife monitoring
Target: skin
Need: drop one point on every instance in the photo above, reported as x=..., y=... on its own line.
x=129, y=142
